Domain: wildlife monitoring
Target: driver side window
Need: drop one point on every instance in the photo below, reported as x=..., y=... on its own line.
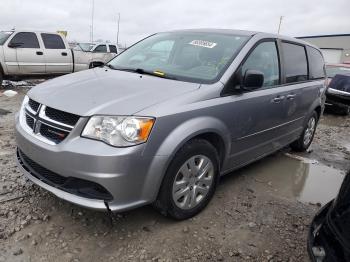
x=264, y=58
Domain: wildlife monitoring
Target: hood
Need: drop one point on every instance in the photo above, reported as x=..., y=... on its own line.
x=107, y=91
x=341, y=82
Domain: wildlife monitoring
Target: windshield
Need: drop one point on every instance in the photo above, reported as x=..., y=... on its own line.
x=337, y=70
x=186, y=56
x=86, y=47
x=4, y=36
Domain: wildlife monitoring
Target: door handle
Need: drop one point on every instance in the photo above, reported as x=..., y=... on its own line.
x=64, y=53
x=278, y=99
x=291, y=96
x=39, y=53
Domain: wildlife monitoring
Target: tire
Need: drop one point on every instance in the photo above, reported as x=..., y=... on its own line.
x=179, y=178
x=347, y=111
x=305, y=140
x=344, y=110
x=95, y=64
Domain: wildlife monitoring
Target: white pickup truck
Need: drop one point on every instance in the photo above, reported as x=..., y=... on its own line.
x=28, y=54
x=87, y=55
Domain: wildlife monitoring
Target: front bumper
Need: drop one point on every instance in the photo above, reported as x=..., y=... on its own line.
x=323, y=244
x=130, y=176
x=337, y=97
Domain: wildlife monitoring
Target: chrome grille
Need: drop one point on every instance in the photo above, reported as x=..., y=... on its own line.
x=47, y=124
x=33, y=105
x=30, y=121
x=52, y=133
x=60, y=116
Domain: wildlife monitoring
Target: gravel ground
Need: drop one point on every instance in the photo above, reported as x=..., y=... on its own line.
x=250, y=218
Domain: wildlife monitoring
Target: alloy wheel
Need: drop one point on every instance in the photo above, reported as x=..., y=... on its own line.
x=193, y=182
x=310, y=130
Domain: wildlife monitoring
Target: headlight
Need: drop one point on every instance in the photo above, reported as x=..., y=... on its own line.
x=119, y=131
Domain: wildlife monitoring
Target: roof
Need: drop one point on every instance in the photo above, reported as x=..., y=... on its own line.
x=31, y=31
x=216, y=30
x=245, y=33
x=320, y=36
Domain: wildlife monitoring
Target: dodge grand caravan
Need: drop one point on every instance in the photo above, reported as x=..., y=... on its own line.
x=162, y=121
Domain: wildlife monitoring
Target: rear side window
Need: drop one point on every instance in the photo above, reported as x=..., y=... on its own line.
x=101, y=49
x=25, y=40
x=113, y=49
x=52, y=41
x=316, y=63
x=295, y=62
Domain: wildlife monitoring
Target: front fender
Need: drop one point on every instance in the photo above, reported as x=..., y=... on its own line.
x=190, y=129
x=174, y=141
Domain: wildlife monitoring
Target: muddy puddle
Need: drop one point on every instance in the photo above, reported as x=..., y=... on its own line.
x=294, y=177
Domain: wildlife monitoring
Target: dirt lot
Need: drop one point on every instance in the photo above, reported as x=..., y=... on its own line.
x=259, y=213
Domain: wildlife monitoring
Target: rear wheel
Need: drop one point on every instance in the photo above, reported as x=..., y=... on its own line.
x=305, y=140
x=190, y=181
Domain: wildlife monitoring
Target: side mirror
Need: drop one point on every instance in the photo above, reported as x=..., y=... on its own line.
x=253, y=79
x=14, y=45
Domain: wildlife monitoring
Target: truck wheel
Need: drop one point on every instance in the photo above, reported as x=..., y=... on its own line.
x=95, y=64
x=190, y=181
x=305, y=140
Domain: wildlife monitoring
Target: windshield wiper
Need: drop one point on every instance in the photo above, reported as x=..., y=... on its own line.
x=142, y=72
x=110, y=66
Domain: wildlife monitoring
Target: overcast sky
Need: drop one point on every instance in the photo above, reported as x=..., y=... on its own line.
x=140, y=18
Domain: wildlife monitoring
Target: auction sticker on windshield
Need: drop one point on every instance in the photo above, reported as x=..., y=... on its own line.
x=203, y=43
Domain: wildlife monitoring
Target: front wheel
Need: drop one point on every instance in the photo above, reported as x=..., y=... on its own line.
x=190, y=181
x=305, y=140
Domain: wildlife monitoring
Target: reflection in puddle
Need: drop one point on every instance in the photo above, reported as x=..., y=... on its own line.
x=291, y=177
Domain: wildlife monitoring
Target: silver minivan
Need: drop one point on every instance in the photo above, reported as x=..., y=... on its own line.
x=161, y=122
